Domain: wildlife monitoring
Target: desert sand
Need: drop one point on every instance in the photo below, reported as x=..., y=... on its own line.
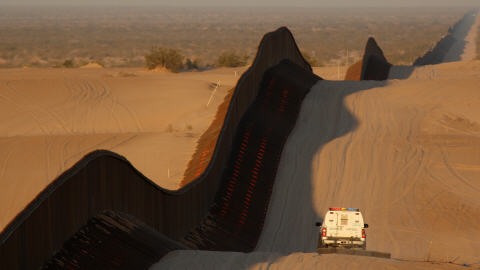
x=406, y=152
x=330, y=72
x=51, y=118
x=295, y=261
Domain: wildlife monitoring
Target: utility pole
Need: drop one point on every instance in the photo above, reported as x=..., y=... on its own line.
x=347, y=58
x=338, y=70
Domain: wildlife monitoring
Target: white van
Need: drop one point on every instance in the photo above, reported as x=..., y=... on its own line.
x=342, y=227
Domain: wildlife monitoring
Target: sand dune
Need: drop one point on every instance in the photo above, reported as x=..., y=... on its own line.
x=53, y=117
x=92, y=65
x=104, y=180
x=330, y=73
x=409, y=163
x=406, y=152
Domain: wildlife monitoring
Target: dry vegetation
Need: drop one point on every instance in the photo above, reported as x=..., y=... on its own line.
x=122, y=36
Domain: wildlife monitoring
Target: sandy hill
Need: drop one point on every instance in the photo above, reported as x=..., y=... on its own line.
x=51, y=118
x=406, y=152
x=103, y=180
x=403, y=151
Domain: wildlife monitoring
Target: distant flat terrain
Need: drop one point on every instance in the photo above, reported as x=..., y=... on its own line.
x=116, y=36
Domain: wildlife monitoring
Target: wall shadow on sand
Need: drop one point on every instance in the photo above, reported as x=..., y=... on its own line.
x=451, y=47
x=292, y=212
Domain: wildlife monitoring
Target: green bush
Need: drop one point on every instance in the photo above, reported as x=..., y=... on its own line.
x=171, y=59
x=231, y=59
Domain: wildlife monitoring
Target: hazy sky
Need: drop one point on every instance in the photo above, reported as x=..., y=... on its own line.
x=299, y=3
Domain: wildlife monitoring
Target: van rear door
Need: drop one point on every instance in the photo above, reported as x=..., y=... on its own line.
x=332, y=223
x=342, y=220
x=347, y=222
x=355, y=225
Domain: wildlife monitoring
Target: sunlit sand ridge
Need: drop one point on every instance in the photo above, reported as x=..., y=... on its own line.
x=51, y=118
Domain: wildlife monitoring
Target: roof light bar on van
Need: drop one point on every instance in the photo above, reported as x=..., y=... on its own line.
x=343, y=209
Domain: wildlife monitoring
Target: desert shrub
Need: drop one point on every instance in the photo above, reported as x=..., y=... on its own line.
x=231, y=59
x=170, y=59
x=189, y=64
x=68, y=63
